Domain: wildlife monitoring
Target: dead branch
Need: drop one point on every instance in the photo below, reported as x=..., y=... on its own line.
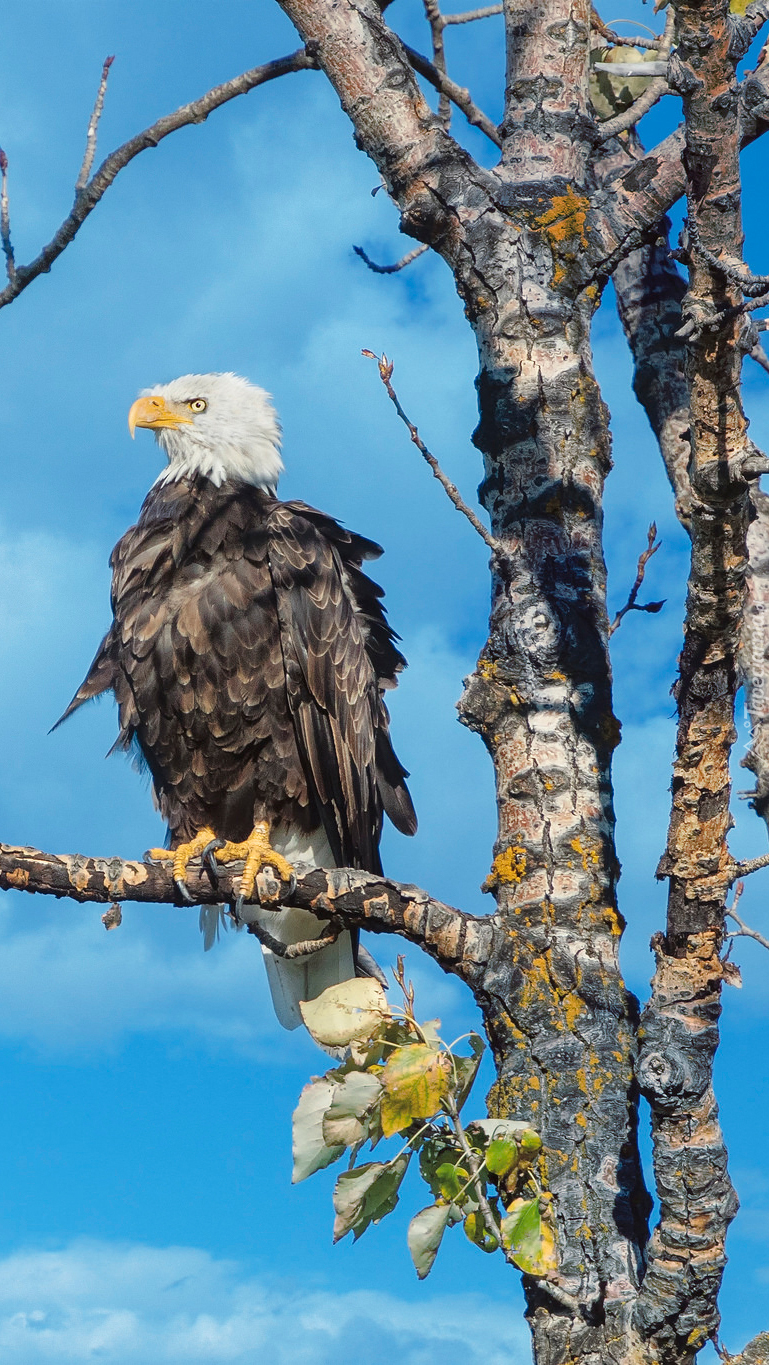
x=89, y=195
x=385, y=373
x=391, y=269
x=469, y=16
x=93, y=128
x=458, y=94
x=654, y=91
x=460, y=942
x=643, y=560
x=743, y=930
x=435, y=20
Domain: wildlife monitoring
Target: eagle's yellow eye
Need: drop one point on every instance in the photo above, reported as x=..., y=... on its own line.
x=197, y=405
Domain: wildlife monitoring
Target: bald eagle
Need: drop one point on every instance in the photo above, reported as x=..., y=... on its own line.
x=249, y=654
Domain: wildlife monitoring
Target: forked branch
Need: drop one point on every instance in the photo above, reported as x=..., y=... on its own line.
x=88, y=192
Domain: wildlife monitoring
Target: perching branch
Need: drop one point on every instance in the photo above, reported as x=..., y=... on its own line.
x=391, y=269
x=469, y=16
x=385, y=374
x=93, y=128
x=88, y=196
x=643, y=560
x=460, y=942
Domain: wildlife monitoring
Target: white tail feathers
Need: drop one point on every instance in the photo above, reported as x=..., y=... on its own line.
x=301, y=978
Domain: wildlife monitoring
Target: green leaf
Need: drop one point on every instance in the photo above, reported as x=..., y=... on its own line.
x=366, y=1194
x=347, y=1119
x=415, y=1080
x=311, y=1151
x=339, y=1015
x=425, y=1232
x=501, y=1156
x=437, y=1150
x=467, y=1068
x=529, y=1237
x=478, y=1233
x=451, y=1179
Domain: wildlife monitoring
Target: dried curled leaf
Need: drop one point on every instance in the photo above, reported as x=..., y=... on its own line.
x=341, y=1014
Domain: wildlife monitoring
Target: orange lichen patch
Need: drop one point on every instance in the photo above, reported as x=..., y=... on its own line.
x=582, y=1079
x=580, y=1120
x=611, y=918
x=588, y=854
x=566, y=219
x=486, y=669
x=18, y=877
x=508, y=869
x=573, y=1008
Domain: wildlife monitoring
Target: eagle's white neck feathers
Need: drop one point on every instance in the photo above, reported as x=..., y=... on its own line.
x=237, y=437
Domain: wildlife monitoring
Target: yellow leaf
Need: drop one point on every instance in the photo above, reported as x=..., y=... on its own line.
x=342, y=1013
x=415, y=1080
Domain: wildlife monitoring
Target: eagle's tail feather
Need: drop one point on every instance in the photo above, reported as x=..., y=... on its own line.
x=301, y=978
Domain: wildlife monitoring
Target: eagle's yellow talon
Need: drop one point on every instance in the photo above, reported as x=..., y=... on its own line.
x=181, y=856
x=257, y=853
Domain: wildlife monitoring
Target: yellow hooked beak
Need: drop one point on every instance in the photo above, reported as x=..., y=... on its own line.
x=155, y=412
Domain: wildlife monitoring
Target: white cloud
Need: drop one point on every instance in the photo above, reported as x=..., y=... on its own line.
x=141, y=1305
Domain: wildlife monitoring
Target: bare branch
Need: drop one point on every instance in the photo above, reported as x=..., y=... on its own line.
x=93, y=128
x=460, y=942
x=643, y=560
x=5, y=219
x=385, y=374
x=469, y=16
x=749, y=865
x=743, y=930
x=435, y=20
x=88, y=197
x=758, y=354
x=458, y=94
x=391, y=269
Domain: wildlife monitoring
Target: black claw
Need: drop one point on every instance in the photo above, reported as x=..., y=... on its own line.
x=209, y=861
x=292, y=884
x=236, y=909
x=183, y=890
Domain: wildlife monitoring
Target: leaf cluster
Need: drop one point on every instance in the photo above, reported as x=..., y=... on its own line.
x=398, y=1079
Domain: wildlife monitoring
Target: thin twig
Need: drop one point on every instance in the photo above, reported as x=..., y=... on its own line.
x=643, y=560
x=93, y=128
x=5, y=219
x=290, y=951
x=385, y=374
x=470, y=15
x=458, y=94
x=743, y=930
x=391, y=269
x=435, y=20
x=195, y=112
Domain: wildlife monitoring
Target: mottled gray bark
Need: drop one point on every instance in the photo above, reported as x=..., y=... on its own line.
x=530, y=244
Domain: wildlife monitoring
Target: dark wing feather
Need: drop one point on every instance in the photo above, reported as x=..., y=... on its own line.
x=334, y=635
x=99, y=678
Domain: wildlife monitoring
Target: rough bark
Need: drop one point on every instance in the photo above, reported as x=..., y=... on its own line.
x=678, y=1301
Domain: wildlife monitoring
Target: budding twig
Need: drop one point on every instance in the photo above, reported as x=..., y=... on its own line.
x=391, y=269
x=93, y=128
x=643, y=560
x=385, y=374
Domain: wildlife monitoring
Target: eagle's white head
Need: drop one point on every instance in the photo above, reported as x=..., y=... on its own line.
x=217, y=425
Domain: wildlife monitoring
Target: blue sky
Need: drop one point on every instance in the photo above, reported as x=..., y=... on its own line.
x=147, y=1212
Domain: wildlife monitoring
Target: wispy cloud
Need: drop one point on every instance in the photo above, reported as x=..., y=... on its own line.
x=140, y=1305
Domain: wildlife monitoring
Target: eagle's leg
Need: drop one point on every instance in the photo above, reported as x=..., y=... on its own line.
x=257, y=852
x=181, y=856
